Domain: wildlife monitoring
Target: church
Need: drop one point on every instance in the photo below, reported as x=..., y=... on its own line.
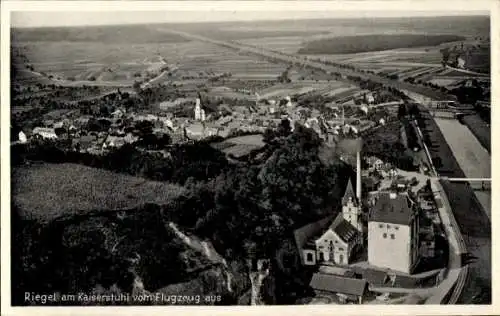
x=344, y=235
x=341, y=239
x=392, y=232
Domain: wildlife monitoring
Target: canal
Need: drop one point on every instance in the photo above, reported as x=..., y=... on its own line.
x=475, y=162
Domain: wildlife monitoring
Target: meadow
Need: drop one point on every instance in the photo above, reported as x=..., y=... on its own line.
x=44, y=191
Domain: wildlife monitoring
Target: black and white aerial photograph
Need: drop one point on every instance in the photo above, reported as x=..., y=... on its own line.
x=232, y=156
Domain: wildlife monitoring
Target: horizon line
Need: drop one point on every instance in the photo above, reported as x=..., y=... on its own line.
x=478, y=13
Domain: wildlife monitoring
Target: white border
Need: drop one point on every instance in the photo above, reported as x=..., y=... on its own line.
x=277, y=6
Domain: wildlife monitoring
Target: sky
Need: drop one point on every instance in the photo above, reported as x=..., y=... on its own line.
x=114, y=12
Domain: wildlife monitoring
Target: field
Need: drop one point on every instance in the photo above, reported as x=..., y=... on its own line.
x=298, y=87
x=46, y=191
x=106, y=34
x=120, y=55
x=240, y=146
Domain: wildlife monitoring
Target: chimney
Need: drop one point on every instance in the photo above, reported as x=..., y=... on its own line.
x=358, y=175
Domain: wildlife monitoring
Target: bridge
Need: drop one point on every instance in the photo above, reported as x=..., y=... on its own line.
x=481, y=184
x=448, y=105
x=448, y=114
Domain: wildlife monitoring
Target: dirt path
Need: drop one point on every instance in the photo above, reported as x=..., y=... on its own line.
x=206, y=248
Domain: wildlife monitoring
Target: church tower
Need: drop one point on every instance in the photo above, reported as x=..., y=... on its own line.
x=197, y=110
x=351, y=202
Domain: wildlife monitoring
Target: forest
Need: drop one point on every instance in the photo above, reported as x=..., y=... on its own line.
x=374, y=42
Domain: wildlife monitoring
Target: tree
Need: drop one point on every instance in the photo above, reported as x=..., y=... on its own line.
x=401, y=111
x=137, y=87
x=284, y=129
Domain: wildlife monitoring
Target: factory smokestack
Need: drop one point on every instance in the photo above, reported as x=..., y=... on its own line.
x=353, y=147
x=358, y=175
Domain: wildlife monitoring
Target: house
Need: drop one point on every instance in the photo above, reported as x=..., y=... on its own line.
x=393, y=232
x=346, y=289
x=375, y=163
x=82, y=120
x=370, y=99
x=119, y=113
x=44, y=132
x=113, y=142
x=21, y=137
x=130, y=138
x=195, y=131
x=341, y=239
x=461, y=62
x=148, y=117
x=166, y=122
x=364, y=108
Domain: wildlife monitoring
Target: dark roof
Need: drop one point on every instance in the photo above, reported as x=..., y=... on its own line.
x=343, y=228
x=397, y=210
x=374, y=277
x=349, y=192
x=424, y=221
x=338, y=284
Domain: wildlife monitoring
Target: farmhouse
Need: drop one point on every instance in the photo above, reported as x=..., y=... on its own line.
x=393, y=232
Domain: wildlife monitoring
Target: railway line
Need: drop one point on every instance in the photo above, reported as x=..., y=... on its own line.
x=317, y=65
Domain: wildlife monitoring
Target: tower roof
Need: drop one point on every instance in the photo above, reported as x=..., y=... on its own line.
x=392, y=208
x=349, y=193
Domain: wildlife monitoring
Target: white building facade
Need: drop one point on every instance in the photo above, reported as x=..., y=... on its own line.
x=393, y=233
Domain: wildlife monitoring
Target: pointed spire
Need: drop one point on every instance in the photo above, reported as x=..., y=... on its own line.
x=349, y=193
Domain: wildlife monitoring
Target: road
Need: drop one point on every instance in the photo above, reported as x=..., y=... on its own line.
x=289, y=58
x=456, y=273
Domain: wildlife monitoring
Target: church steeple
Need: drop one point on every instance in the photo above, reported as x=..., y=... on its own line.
x=351, y=210
x=349, y=194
